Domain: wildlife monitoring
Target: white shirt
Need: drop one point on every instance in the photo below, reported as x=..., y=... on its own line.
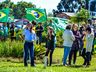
x=89, y=42
x=68, y=38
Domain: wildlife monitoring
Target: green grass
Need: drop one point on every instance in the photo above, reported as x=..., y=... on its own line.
x=58, y=54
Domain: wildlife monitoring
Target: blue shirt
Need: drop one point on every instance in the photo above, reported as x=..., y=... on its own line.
x=5, y=29
x=29, y=36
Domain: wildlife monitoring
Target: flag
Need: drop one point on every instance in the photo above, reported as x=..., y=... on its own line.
x=58, y=24
x=11, y=19
x=36, y=14
x=4, y=15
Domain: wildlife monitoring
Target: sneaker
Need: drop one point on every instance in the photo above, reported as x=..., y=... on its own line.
x=84, y=64
x=25, y=64
x=65, y=65
x=33, y=65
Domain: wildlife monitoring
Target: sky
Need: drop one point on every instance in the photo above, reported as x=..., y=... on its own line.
x=49, y=5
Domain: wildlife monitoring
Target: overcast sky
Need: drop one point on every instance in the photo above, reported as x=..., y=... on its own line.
x=47, y=4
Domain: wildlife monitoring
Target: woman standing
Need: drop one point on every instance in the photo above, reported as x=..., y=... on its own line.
x=50, y=45
x=75, y=46
x=30, y=37
x=89, y=43
x=68, y=41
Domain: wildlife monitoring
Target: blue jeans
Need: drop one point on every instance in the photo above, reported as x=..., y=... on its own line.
x=66, y=54
x=28, y=49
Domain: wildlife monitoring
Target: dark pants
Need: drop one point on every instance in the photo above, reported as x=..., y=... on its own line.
x=84, y=53
x=81, y=47
x=73, y=53
x=51, y=52
x=28, y=48
x=87, y=58
x=13, y=38
x=39, y=39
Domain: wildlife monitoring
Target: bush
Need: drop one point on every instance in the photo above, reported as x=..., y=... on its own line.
x=59, y=39
x=11, y=49
x=15, y=49
x=39, y=51
x=44, y=36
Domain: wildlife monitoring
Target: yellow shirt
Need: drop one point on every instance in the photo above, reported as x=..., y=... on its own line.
x=84, y=41
x=34, y=28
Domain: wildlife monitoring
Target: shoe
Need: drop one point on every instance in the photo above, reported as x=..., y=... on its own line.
x=25, y=64
x=84, y=64
x=33, y=65
x=65, y=65
x=88, y=64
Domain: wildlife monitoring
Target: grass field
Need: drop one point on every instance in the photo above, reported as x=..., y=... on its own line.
x=57, y=67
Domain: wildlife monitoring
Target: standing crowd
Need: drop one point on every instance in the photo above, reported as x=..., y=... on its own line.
x=76, y=39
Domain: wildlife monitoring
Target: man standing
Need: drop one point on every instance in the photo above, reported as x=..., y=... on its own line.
x=39, y=30
x=30, y=37
x=12, y=32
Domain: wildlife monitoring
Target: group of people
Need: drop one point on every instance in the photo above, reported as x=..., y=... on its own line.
x=10, y=32
x=32, y=34
x=78, y=40
x=3, y=32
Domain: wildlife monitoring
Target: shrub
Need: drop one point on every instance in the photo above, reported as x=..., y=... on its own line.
x=59, y=39
x=15, y=49
x=11, y=49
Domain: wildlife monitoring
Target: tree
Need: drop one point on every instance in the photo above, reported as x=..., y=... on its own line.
x=18, y=10
x=50, y=14
x=69, y=5
x=81, y=16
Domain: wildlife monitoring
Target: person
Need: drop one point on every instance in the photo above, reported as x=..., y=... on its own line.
x=83, y=53
x=33, y=25
x=89, y=43
x=50, y=46
x=68, y=41
x=81, y=40
x=75, y=45
x=51, y=23
x=12, y=32
x=5, y=30
x=30, y=37
x=39, y=30
x=1, y=33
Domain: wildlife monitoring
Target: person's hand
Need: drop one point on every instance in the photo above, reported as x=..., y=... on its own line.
x=38, y=29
